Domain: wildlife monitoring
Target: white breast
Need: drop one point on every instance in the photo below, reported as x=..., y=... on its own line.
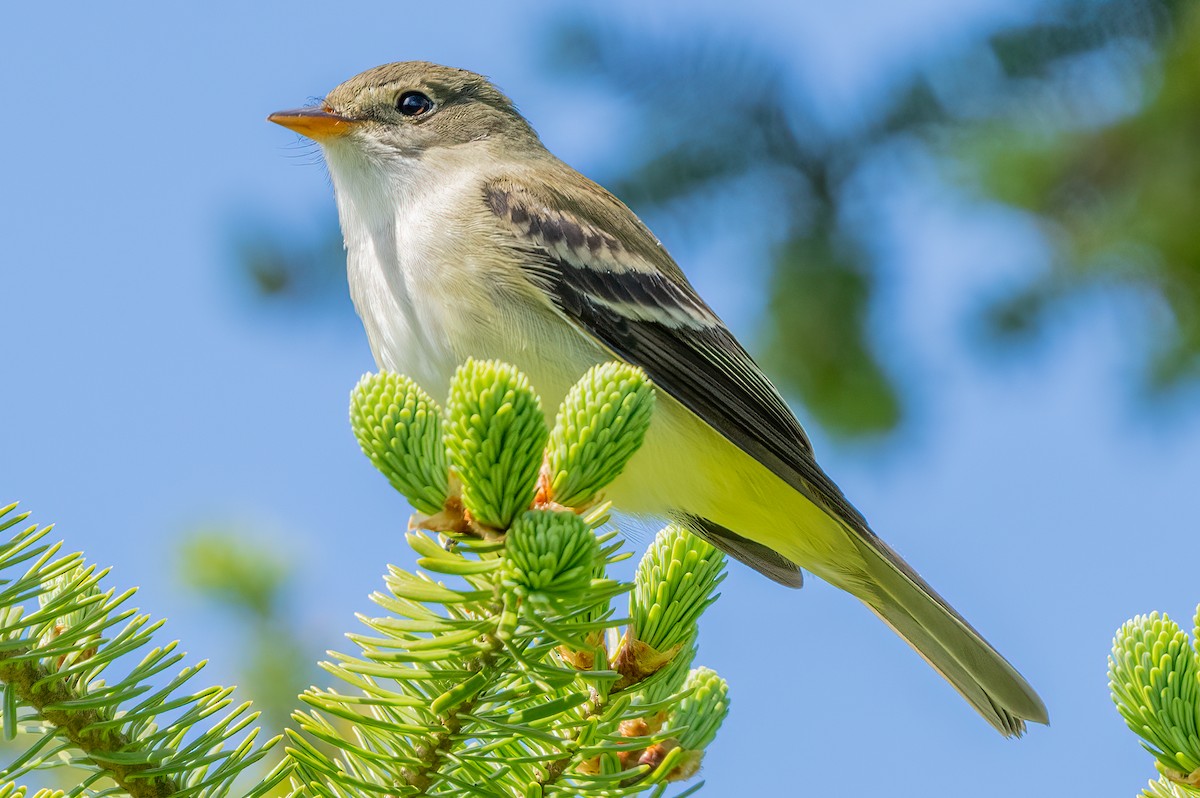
x=423, y=275
x=399, y=235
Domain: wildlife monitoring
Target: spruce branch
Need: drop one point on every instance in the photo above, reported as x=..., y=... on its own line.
x=497, y=668
x=148, y=739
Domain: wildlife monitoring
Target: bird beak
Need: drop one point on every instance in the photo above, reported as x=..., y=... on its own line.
x=319, y=124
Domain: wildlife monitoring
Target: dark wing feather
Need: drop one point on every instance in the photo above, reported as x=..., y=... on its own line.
x=763, y=559
x=653, y=318
x=606, y=273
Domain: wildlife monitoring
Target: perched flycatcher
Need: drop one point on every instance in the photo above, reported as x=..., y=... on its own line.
x=466, y=238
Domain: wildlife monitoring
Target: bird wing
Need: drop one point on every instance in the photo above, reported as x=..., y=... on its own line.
x=605, y=272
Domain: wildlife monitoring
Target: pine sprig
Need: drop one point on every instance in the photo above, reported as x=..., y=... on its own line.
x=13, y=790
x=147, y=740
x=498, y=667
x=675, y=584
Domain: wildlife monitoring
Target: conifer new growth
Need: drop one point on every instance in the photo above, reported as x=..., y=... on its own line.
x=698, y=715
x=500, y=668
x=504, y=670
x=550, y=552
x=495, y=436
x=599, y=426
x=399, y=428
x=674, y=585
x=1154, y=676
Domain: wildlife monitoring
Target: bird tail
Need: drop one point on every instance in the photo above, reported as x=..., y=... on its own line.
x=906, y=603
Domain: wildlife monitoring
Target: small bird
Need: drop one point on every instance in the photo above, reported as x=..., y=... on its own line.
x=466, y=238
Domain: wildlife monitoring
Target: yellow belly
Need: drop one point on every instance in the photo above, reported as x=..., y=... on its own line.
x=687, y=466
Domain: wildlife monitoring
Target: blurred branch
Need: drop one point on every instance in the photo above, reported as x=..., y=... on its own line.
x=1120, y=199
x=300, y=270
x=250, y=580
x=714, y=112
x=83, y=681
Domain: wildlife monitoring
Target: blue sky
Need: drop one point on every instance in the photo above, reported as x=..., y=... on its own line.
x=141, y=397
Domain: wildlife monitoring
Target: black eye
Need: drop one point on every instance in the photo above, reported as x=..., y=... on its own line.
x=414, y=103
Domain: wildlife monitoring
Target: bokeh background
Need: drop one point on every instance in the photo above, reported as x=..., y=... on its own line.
x=963, y=236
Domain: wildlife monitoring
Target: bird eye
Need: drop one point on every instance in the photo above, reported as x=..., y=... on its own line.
x=414, y=103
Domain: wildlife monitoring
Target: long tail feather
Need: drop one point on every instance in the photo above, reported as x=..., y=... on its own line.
x=946, y=641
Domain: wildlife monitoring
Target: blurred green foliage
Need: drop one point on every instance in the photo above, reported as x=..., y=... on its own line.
x=717, y=119
x=300, y=268
x=1132, y=171
x=1085, y=114
x=249, y=578
x=1119, y=198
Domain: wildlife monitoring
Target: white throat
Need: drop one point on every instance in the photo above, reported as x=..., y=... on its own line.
x=395, y=214
x=431, y=278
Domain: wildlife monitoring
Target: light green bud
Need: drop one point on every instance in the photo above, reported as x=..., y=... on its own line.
x=548, y=551
x=399, y=428
x=1153, y=678
x=702, y=709
x=599, y=426
x=495, y=436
